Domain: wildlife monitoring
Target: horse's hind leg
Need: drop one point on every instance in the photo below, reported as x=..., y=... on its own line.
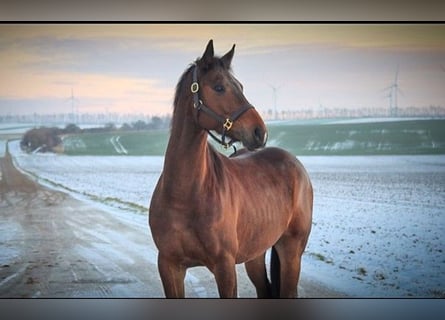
x=172, y=276
x=256, y=270
x=290, y=250
x=291, y=245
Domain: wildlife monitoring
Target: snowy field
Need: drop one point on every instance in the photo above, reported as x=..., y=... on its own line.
x=2, y=148
x=378, y=226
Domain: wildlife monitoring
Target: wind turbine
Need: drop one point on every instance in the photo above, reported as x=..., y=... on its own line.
x=74, y=110
x=389, y=96
x=274, y=90
x=392, y=95
x=396, y=90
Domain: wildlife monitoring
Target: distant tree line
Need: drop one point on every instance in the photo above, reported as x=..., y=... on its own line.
x=48, y=139
x=156, y=123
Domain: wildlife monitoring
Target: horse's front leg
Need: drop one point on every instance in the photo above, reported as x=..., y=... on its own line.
x=172, y=276
x=225, y=276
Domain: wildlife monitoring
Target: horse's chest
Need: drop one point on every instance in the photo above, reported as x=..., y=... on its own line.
x=195, y=237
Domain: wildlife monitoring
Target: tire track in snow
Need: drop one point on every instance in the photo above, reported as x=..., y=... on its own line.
x=117, y=145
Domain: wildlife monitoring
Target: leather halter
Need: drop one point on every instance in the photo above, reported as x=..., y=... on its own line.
x=226, y=122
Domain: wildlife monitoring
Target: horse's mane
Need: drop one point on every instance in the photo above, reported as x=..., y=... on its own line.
x=180, y=86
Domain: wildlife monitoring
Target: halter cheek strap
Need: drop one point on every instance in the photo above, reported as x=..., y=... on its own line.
x=226, y=122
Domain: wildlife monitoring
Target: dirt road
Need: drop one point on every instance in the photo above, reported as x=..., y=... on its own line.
x=53, y=245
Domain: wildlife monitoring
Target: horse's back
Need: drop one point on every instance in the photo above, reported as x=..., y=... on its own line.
x=276, y=157
x=270, y=153
x=281, y=163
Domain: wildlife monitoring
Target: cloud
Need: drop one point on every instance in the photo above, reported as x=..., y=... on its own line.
x=191, y=37
x=93, y=90
x=135, y=66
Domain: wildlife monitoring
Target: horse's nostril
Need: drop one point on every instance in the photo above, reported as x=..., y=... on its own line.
x=260, y=136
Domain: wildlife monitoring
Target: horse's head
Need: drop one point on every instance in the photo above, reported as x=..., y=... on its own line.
x=220, y=104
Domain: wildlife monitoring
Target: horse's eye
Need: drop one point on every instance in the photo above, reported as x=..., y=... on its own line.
x=219, y=88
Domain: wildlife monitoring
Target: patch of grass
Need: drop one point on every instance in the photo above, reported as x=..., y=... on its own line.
x=437, y=293
x=379, y=276
x=321, y=257
x=116, y=202
x=362, y=271
x=129, y=205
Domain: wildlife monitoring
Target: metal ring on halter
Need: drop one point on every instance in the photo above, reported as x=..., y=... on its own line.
x=194, y=87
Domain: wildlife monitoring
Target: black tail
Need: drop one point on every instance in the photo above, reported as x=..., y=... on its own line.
x=275, y=273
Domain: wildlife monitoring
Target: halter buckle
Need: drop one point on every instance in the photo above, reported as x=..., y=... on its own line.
x=194, y=87
x=227, y=125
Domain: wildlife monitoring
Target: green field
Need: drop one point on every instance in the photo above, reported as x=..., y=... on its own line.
x=300, y=138
x=135, y=143
x=398, y=137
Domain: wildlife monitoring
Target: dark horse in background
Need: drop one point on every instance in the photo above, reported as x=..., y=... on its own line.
x=214, y=211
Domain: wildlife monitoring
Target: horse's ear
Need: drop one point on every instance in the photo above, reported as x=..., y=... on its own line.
x=208, y=53
x=227, y=58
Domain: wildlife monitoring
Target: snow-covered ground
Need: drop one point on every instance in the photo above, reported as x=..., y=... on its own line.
x=378, y=225
x=2, y=148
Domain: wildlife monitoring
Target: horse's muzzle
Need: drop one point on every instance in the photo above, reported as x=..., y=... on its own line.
x=257, y=139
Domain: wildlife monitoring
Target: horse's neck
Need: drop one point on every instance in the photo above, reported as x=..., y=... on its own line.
x=187, y=158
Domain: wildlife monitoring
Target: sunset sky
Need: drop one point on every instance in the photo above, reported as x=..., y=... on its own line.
x=133, y=68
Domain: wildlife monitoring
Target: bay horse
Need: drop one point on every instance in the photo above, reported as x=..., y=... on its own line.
x=217, y=211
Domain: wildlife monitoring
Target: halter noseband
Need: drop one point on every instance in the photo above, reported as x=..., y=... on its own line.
x=226, y=123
